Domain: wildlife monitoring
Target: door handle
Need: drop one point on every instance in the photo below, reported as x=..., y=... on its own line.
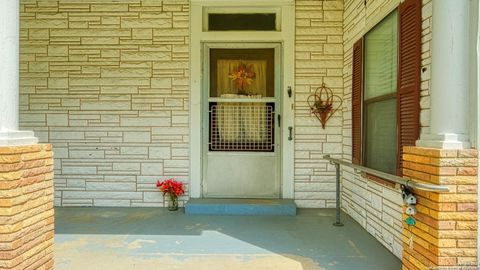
x=279, y=117
x=290, y=133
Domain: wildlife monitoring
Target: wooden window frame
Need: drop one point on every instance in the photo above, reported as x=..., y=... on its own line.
x=408, y=85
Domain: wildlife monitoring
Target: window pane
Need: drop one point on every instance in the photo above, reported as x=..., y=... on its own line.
x=381, y=135
x=381, y=58
x=242, y=72
x=254, y=21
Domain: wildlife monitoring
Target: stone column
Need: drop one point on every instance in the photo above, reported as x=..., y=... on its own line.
x=450, y=76
x=9, y=76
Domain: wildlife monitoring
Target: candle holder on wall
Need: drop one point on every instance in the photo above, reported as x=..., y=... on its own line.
x=321, y=103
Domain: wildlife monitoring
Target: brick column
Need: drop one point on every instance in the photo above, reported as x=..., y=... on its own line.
x=26, y=207
x=446, y=229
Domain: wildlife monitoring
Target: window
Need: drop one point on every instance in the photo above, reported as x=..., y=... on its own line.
x=238, y=18
x=379, y=99
x=242, y=22
x=225, y=61
x=385, y=89
x=241, y=114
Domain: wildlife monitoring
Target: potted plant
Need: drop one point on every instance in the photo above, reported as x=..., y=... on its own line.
x=173, y=189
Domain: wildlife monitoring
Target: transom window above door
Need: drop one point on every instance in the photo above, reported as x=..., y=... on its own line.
x=241, y=22
x=241, y=19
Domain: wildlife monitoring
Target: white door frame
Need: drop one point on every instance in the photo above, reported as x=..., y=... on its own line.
x=285, y=10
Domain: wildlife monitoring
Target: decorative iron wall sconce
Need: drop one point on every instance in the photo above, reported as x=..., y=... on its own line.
x=321, y=103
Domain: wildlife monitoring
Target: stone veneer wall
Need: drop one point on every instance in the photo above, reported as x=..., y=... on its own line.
x=446, y=231
x=107, y=83
x=426, y=66
x=26, y=207
x=318, y=59
x=377, y=207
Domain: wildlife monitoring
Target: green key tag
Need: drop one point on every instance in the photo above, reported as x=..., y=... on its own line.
x=410, y=221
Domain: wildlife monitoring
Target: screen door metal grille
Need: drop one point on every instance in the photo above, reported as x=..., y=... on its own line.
x=241, y=127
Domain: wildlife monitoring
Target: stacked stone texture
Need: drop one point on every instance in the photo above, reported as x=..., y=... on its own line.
x=446, y=230
x=107, y=83
x=318, y=59
x=26, y=207
x=426, y=66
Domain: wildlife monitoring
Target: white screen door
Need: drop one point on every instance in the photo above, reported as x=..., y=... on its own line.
x=241, y=121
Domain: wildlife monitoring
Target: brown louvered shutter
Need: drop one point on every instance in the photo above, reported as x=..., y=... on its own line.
x=357, y=91
x=408, y=94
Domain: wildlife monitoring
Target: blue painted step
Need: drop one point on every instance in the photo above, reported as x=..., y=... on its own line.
x=247, y=207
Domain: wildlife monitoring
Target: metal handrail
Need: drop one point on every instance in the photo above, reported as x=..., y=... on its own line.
x=390, y=177
x=386, y=176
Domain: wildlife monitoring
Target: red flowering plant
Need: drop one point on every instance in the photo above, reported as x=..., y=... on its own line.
x=173, y=189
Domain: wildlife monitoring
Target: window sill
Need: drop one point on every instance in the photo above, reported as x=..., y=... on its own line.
x=379, y=180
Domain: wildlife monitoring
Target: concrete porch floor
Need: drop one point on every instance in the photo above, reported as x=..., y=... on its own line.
x=154, y=238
